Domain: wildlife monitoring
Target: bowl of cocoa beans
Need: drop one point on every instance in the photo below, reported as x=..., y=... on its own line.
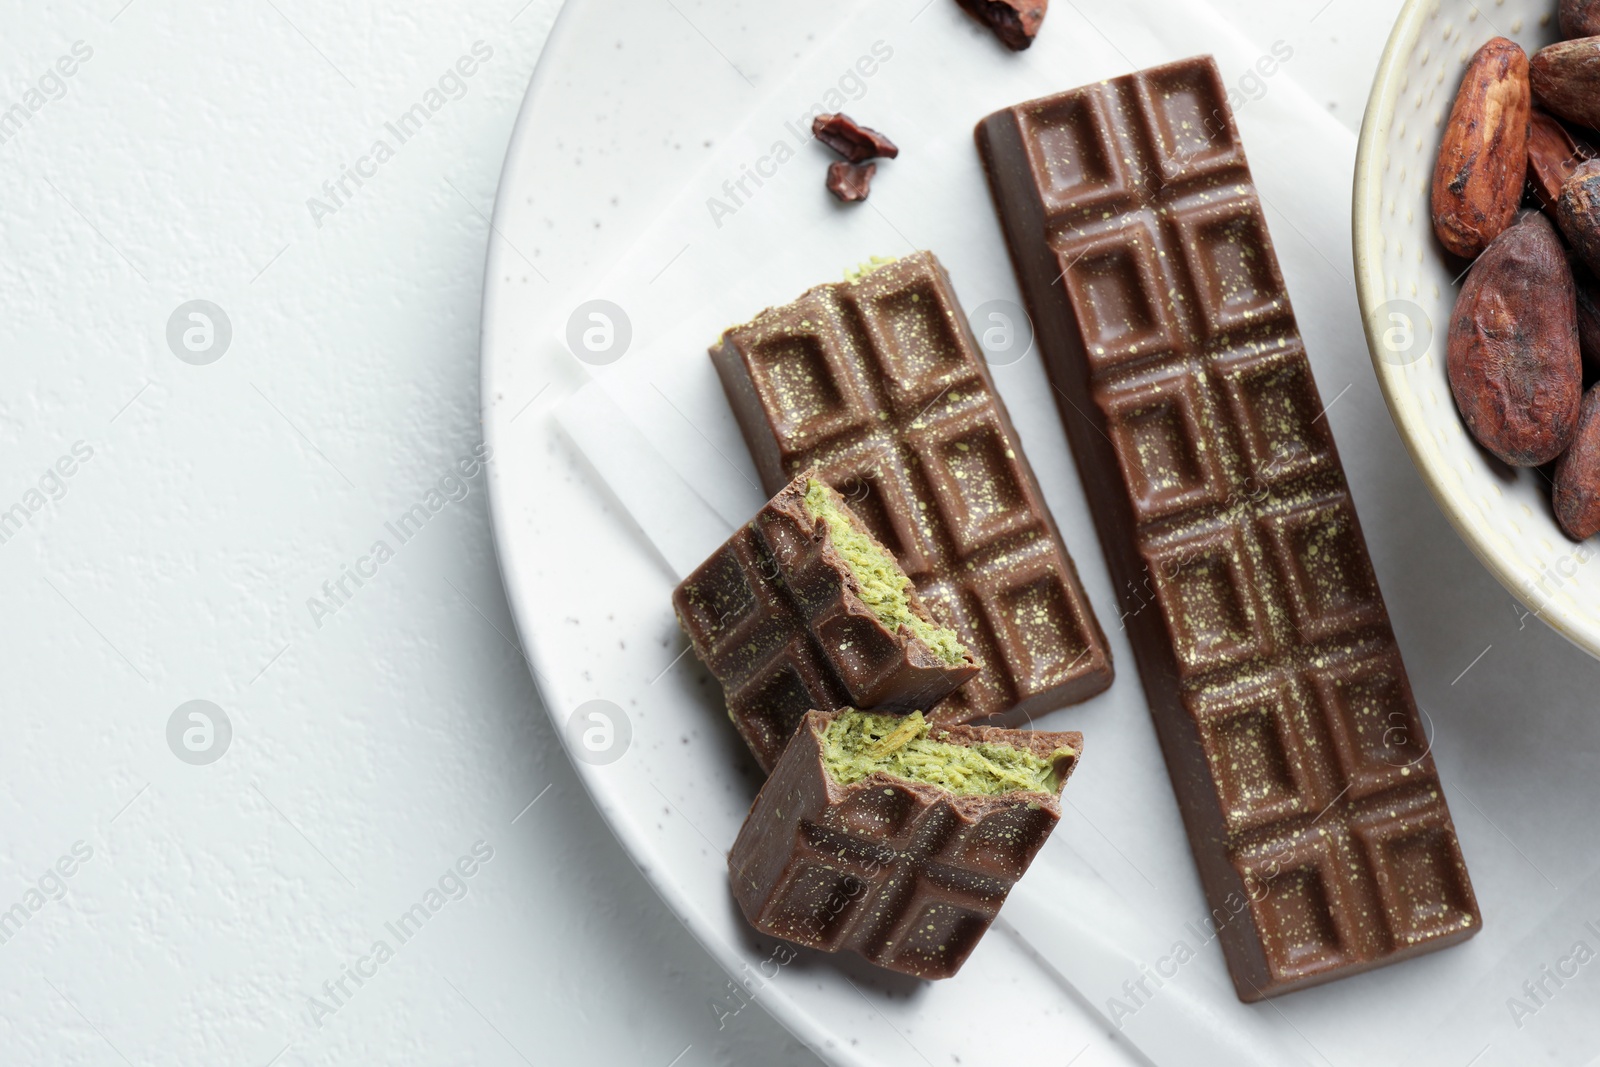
x=1477, y=253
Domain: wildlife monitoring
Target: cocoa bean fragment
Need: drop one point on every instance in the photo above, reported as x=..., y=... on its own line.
x=1579, y=18
x=851, y=181
x=1015, y=22
x=1566, y=80
x=1483, y=156
x=1577, y=480
x=850, y=139
x=1512, y=352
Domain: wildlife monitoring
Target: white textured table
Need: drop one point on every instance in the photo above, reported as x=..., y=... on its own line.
x=270, y=502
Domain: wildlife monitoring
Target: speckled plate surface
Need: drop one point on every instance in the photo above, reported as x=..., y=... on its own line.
x=1407, y=287
x=591, y=597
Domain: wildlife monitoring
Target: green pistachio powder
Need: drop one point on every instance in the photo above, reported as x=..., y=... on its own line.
x=861, y=270
x=882, y=585
x=858, y=743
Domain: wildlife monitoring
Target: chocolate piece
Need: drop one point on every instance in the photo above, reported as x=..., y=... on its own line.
x=853, y=141
x=1015, y=22
x=879, y=384
x=908, y=873
x=794, y=613
x=851, y=181
x=1300, y=764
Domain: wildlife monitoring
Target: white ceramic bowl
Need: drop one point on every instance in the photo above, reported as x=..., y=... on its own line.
x=1407, y=287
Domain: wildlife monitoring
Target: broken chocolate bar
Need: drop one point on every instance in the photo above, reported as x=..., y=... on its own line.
x=1301, y=767
x=803, y=609
x=896, y=839
x=879, y=383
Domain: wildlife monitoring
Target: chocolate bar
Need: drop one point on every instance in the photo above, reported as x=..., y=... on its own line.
x=1300, y=764
x=802, y=608
x=895, y=838
x=878, y=383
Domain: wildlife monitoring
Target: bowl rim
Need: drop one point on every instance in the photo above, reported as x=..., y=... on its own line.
x=1492, y=551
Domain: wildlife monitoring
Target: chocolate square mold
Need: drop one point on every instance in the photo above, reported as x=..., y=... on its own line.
x=1304, y=906
x=919, y=346
x=1155, y=424
x=1421, y=878
x=1260, y=746
x=1379, y=742
x=801, y=377
x=976, y=479
x=1073, y=152
x=1115, y=276
x=1225, y=244
x=1206, y=586
x=1185, y=112
x=1030, y=618
x=1322, y=560
x=1274, y=404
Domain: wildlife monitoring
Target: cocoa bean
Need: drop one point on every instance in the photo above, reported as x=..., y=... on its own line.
x=1588, y=293
x=1552, y=157
x=1015, y=22
x=1483, y=155
x=1577, y=480
x=1579, y=18
x=1566, y=80
x=1512, y=352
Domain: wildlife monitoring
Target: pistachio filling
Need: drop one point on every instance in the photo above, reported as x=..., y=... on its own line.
x=861, y=270
x=882, y=585
x=858, y=743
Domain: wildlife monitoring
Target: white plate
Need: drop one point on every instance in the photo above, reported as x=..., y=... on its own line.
x=589, y=588
x=1408, y=288
x=555, y=527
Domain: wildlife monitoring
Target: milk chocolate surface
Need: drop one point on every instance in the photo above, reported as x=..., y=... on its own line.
x=777, y=616
x=880, y=385
x=905, y=873
x=1295, y=748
